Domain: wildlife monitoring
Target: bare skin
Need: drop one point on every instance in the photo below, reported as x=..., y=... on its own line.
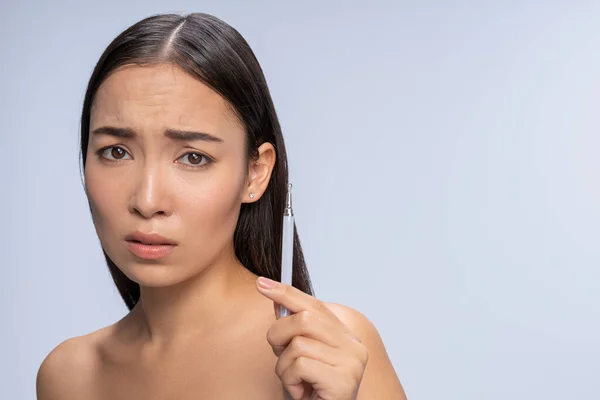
x=199, y=330
x=228, y=363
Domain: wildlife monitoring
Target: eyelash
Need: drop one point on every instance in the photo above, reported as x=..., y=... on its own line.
x=208, y=161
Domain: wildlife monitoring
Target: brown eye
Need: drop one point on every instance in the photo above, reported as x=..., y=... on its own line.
x=195, y=159
x=117, y=152
x=114, y=153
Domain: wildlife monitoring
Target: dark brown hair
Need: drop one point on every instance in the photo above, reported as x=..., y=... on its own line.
x=215, y=53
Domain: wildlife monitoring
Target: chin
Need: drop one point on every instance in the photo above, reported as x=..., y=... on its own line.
x=153, y=275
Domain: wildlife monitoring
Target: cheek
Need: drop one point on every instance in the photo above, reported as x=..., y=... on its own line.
x=103, y=196
x=216, y=201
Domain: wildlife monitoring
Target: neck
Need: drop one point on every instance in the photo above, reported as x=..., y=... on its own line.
x=200, y=305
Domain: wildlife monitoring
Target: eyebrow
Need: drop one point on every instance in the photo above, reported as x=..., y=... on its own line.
x=175, y=134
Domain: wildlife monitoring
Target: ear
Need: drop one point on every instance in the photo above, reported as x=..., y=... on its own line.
x=259, y=173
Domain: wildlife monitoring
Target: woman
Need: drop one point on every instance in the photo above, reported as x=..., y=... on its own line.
x=186, y=174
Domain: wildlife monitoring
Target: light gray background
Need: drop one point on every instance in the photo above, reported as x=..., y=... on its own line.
x=444, y=156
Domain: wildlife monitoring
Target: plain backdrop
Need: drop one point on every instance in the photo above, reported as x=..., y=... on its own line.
x=445, y=162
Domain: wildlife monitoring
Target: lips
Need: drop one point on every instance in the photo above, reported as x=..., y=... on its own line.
x=149, y=239
x=149, y=246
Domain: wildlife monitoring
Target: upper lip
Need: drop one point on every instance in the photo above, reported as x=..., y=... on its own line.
x=148, y=238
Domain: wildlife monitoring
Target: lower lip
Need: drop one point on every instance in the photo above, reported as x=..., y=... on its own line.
x=150, y=251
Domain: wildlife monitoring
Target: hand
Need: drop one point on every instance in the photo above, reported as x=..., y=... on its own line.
x=319, y=357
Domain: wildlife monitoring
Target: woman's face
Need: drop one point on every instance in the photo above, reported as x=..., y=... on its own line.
x=143, y=174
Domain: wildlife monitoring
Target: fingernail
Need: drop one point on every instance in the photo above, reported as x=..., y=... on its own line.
x=266, y=283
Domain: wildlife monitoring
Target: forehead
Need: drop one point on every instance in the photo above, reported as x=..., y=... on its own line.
x=160, y=96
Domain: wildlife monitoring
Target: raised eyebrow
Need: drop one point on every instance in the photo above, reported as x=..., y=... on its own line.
x=188, y=136
x=175, y=134
x=115, y=132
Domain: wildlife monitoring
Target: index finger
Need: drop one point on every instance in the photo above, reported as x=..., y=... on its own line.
x=291, y=298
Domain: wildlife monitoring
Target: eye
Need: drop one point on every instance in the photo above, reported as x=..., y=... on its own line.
x=195, y=159
x=116, y=152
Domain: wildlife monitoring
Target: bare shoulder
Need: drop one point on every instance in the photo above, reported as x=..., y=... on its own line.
x=68, y=370
x=380, y=380
x=347, y=314
x=358, y=323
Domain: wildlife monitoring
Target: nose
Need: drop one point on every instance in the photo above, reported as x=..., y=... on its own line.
x=150, y=196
